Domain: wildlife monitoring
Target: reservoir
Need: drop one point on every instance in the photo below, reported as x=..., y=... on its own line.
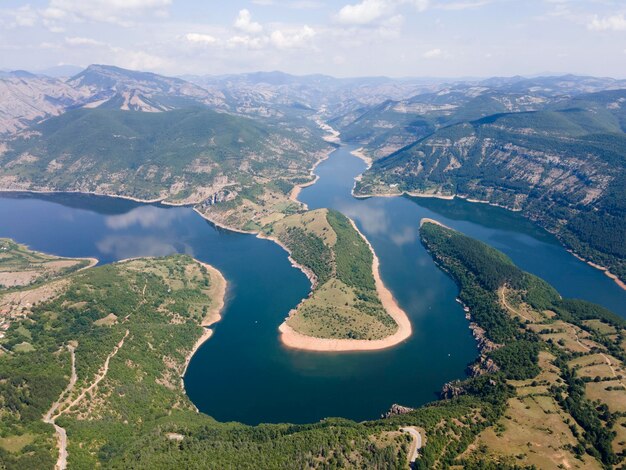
x=243, y=373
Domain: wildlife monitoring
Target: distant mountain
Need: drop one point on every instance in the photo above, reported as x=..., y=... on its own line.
x=141, y=91
x=26, y=98
x=387, y=127
x=564, y=166
x=275, y=93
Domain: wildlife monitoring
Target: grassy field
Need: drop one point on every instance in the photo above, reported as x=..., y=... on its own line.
x=20, y=267
x=344, y=303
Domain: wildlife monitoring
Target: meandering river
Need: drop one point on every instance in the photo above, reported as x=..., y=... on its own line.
x=243, y=373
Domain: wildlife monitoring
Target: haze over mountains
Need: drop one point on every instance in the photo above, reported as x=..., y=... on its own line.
x=29, y=97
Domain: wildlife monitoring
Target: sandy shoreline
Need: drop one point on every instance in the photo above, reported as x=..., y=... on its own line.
x=606, y=271
x=359, y=153
x=292, y=339
x=92, y=263
x=432, y=221
x=213, y=315
x=333, y=138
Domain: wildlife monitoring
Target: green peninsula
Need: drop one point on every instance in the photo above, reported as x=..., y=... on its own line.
x=344, y=303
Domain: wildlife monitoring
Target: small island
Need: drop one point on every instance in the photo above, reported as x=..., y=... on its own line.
x=349, y=308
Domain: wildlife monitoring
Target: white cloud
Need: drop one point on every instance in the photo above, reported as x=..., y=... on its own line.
x=371, y=11
x=247, y=41
x=464, y=5
x=421, y=5
x=608, y=23
x=288, y=40
x=200, y=38
x=295, y=4
x=114, y=11
x=364, y=12
x=432, y=54
x=80, y=41
x=244, y=23
x=139, y=60
x=25, y=16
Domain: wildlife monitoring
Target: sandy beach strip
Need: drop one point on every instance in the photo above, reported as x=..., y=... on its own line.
x=605, y=270
x=292, y=339
x=219, y=286
x=360, y=153
x=433, y=221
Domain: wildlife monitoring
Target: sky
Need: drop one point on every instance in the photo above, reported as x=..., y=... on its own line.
x=396, y=38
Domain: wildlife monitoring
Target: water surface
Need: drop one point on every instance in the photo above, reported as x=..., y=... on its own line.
x=243, y=373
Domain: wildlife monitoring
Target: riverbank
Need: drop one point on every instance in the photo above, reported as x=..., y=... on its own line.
x=89, y=193
x=604, y=269
x=295, y=192
x=360, y=153
x=425, y=220
x=219, y=287
x=292, y=339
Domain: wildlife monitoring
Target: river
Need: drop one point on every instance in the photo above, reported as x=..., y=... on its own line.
x=243, y=373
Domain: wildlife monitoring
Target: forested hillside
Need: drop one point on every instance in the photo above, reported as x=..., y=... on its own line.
x=562, y=358
x=192, y=156
x=564, y=167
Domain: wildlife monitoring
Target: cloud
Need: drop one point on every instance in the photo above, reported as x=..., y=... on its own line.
x=433, y=54
x=247, y=41
x=80, y=41
x=25, y=16
x=465, y=5
x=608, y=23
x=287, y=40
x=295, y=4
x=113, y=11
x=199, y=38
x=139, y=60
x=421, y=5
x=370, y=11
x=364, y=12
x=244, y=23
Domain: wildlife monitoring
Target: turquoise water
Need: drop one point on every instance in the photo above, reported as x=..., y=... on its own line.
x=243, y=373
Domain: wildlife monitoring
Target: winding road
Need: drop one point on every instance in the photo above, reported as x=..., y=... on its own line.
x=48, y=417
x=61, y=405
x=416, y=445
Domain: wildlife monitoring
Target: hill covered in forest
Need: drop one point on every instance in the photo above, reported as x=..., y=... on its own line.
x=564, y=167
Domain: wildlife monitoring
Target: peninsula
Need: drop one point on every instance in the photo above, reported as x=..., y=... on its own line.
x=349, y=308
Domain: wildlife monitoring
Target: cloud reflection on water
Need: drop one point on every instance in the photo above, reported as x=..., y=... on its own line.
x=144, y=216
x=127, y=246
x=373, y=216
